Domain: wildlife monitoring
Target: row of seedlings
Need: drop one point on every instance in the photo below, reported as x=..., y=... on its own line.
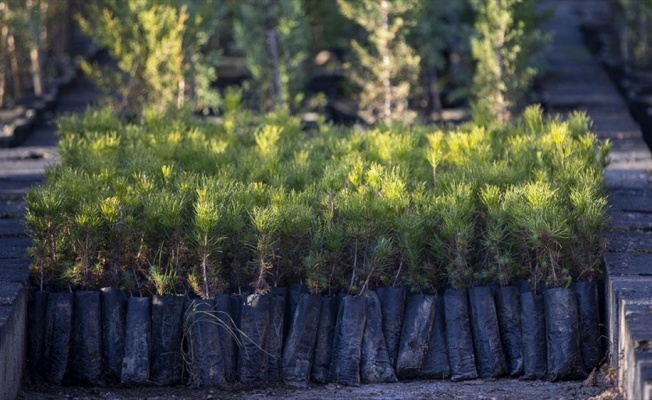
x=179, y=207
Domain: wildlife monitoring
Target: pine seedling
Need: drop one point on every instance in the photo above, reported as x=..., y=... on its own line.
x=163, y=235
x=295, y=216
x=542, y=223
x=499, y=263
x=385, y=66
x=377, y=261
x=86, y=270
x=455, y=209
x=207, y=281
x=44, y=225
x=588, y=219
x=410, y=238
x=115, y=227
x=265, y=223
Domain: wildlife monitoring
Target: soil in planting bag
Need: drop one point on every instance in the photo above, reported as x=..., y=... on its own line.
x=114, y=314
x=508, y=308
x=205, y=363
x=58, y=335
x=38, y=304
x=375, y=365
x=392, y=304
x=324, y=342
x=167, y=329
x=276, y=335
x=589, y=316
x=489, y=356
x=227, y=334
x=87, y=339
x=435, y=364
x=347, y=341
x=533, y=327
x=138, y=338
x=563, y=333
x=415, y=334
x=458, y=335
x=300, y=344
x=253, y=357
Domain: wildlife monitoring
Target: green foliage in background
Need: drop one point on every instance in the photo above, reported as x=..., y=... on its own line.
x=275, y=39
x=157, y=45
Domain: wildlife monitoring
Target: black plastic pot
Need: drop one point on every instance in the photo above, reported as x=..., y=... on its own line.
x=87, y=339
x=324, y=341
x=253, y=357
x=490, y=359
x=508, y=309
x=563, y=334
x=114, y=314
x=533, y=327
x=58, y=336
x=227, y=333
x=36, y=323
x=167, y=329
x=392, y=304
x=435, y=364
x=347, y=342
x=458, y=335
x=276, y=335
x=138, y=339
x=203, y=351
x=375, y=365
x=300, y=343
x=415, y=334
x=589, y=314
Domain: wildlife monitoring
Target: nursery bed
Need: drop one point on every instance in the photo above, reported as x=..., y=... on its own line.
x=507, y=389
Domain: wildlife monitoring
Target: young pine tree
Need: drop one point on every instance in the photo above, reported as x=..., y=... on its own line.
x=156, y=44
x=274, y=37
x=384, y=66
x=506, y=48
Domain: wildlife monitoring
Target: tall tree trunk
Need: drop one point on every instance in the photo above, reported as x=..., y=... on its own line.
x=435, y=93
x=13, y=64
x=61, y=32
x=4, y=30
x=276, y=89
x=34, y=51
x=386, y=71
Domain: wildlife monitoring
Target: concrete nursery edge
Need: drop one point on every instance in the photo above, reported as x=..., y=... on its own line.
x=13, y=321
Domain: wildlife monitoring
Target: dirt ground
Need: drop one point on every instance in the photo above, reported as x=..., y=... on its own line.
x=596, y=388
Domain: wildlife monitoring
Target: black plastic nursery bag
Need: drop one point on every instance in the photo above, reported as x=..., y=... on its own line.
x=458, y=335
x=204, y=356
x=324, y=341
x=435, y=364
x=138, y=334
x=87, y=339
x=114, y=316
x=563, y=333
x=347, y=342
x=375, y=365
x=300, y=343
x=415, y=335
